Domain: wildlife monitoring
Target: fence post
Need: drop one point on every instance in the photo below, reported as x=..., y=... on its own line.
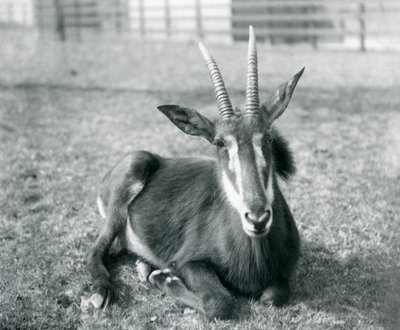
x=314, y=40
x=361, y=12
x=117, y=15
x=141, y=18
x=199, y=20
x=77, y=20
x=60, y=23
x=167, y=18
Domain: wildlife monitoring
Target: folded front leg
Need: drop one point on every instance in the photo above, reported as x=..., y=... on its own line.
x=198, y=287
x=174, y=287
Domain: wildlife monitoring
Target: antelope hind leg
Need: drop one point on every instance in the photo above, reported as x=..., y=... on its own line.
x=98, y=256
x=120, y=187
x=96, y=265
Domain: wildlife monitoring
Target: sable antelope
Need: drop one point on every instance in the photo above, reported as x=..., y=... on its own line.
x=212, y=229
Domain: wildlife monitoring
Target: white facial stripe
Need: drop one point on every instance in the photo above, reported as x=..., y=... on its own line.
x=232, y=153
x=260, y=160
x=100, y=206
x=270, y=188
x=261, y=164
x=238, y=171
x=257, y=143
x=234, y=162
x=233, y=196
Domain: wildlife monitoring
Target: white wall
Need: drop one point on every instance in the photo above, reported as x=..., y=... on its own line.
x=18, y=12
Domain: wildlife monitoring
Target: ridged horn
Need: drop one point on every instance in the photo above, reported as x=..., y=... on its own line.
x=223, y=102
x=252, y=98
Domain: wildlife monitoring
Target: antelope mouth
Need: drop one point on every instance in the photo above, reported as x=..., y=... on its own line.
x=256, y=233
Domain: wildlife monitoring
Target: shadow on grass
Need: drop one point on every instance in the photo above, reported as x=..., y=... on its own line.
x=356, y=286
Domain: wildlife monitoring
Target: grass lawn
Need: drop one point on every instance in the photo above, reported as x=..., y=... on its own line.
x=68, y=113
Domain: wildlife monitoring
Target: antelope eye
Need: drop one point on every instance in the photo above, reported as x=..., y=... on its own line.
x=219, y=143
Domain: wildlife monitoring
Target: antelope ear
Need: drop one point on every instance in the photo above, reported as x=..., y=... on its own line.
x=277, y=103
x=189, y=121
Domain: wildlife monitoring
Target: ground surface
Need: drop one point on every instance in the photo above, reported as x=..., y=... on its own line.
x=67, y=113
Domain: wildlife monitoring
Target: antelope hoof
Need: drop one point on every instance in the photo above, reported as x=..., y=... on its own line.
x=167, y=282
x=101, y=297
x=174, y=285
x=160, y=277
x=280, y=297
x=143, y=269
x=280, y=300
x=99, y=301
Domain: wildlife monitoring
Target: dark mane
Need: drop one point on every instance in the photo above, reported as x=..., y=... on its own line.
x=284, y=162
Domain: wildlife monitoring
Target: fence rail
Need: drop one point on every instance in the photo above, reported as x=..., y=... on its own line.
x=275, y=20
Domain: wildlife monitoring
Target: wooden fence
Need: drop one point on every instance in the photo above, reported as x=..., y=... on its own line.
x=276, y=21
x=72, y=19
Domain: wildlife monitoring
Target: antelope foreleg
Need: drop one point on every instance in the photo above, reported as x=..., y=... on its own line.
x=198, y=287
x=174, y=287
x=120, y=186
x=281, y=292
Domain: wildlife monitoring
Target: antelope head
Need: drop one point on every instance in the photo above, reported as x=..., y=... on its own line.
x=243, y=141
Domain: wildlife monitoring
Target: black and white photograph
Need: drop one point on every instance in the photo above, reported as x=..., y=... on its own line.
x=200, y=164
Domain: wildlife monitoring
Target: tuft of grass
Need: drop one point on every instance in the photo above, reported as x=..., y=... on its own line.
x=345, y=199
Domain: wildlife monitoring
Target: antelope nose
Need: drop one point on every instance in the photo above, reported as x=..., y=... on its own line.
x=259, y=221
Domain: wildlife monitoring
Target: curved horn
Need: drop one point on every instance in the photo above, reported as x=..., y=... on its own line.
x=252, y=99
x=223, y=102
